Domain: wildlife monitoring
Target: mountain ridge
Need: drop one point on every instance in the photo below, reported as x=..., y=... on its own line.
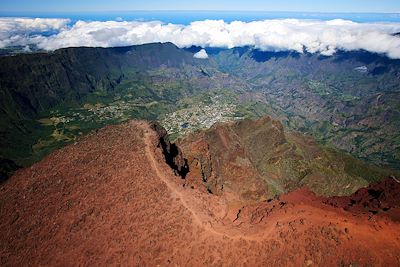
x=259, y=159
x=52, y=212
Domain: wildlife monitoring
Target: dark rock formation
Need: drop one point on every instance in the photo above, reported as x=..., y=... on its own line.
x=173, y=155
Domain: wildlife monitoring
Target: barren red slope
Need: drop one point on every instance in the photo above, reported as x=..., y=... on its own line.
x=111, y=199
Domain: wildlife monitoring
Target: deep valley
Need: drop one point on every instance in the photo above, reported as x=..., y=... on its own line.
x=349, y=101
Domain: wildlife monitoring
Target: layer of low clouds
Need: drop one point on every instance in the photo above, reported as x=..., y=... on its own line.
x=202, y=54
x=314, y=36
x=24, y=31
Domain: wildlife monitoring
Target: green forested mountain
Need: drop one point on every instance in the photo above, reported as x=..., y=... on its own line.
x=349, y=101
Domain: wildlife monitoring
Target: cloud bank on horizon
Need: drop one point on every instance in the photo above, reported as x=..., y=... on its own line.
x=313, y=36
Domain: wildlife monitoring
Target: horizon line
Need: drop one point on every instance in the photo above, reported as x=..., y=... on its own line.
x=226, y=11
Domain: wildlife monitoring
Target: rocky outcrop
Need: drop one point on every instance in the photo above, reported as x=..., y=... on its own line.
x=259, y=159
x=377, y=198
x=220, y=162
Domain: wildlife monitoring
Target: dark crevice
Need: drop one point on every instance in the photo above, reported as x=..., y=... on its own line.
x=237, y=215
x=174, y=159
x=375, y=193
x=7, y=169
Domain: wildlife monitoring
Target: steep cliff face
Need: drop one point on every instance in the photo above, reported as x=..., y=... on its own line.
x=36, y=82
x=269, y=160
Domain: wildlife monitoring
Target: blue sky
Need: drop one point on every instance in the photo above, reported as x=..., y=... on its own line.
x=387, y=6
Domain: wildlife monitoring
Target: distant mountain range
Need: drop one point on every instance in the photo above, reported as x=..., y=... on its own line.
x=348, y=101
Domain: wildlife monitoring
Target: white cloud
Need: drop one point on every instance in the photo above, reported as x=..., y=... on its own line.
x=27, y=49
x=314, y=36
x=202, y=54
x=23, y=31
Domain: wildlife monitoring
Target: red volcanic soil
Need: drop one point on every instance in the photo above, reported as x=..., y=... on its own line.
x=111, y=199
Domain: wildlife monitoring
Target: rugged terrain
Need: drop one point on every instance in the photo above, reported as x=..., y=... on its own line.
x=122, y=196
x=259, y=159
x=348, y=101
